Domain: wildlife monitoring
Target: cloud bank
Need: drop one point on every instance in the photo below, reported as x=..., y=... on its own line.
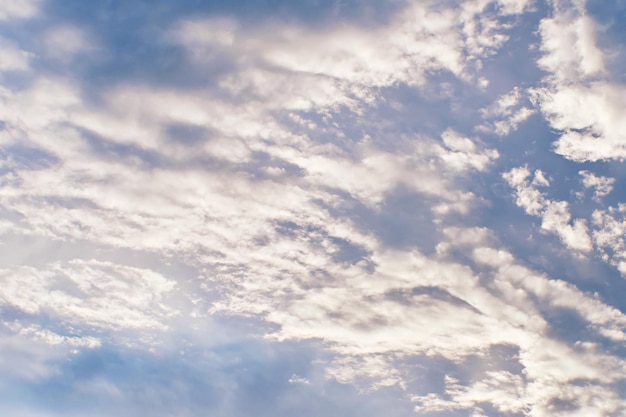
x=345, y=214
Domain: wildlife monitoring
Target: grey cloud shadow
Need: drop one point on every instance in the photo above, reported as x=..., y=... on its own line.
x=569, y=326
x=406, y=297
x=192, y=136
x=348, y=252
x=403, y=220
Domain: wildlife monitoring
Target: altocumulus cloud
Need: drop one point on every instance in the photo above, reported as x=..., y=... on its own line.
x=328, y=209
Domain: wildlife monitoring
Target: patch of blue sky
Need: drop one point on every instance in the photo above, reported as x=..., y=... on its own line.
x=230, y=380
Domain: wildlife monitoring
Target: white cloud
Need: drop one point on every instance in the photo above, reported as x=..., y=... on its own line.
x=88, y=293
x=462, y=153
x=604, y=230
x=589, y=117
x=569, y=44
x=266, y=212
x=463, y=237
x=506, y=113
x=372, y=317
x=574, y=233
x=18, y=9
x=369, y=319
x=609, y=235
x=556, y=293
x=602, y=185
x=501, y=389
x=540, y=180
x=12, y=58
x=580, y=99
x=507, y=394
x=555, y=215
x=348, y=63
x=332, y=68
x=123, y=204
x=483, y=28
x=47, y=336
x=63, y=42
x=295, y=379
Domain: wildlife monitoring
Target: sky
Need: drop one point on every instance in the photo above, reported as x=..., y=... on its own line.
x=313, y=208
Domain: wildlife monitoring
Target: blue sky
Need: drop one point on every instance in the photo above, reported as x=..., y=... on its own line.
x=316, y=208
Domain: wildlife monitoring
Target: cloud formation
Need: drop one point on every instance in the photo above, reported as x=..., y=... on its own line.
x=328, y=192
x=555, y=215
x=581, y=99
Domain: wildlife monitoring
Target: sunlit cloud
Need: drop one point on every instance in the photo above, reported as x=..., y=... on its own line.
x=349, y=213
